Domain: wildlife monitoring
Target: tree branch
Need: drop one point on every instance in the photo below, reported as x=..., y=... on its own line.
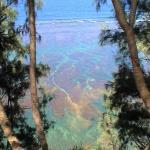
x=120, y=14
x=133, y=9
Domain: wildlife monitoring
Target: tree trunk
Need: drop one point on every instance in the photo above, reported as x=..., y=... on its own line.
x=137, y=71
x=6, y=127
x=132, y=16
x=33, y=86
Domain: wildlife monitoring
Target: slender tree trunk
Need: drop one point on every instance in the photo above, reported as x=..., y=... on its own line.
x=132, y=16
x=137, y=71
x=33, y=86
x=6, y=127
x=128, y=29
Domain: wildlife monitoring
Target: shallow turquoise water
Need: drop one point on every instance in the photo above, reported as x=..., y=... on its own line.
x=80, y=67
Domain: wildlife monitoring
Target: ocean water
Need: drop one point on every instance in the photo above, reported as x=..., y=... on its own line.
x=68, y=10
x=80, y=68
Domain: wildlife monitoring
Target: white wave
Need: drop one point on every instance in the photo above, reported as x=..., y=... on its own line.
x=110, y=20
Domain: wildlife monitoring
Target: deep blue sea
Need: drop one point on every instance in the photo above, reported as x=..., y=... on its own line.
x=69, y=10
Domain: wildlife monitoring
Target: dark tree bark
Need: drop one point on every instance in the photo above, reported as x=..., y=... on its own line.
x=6, y=128
x=128, y=29
x=33, y=85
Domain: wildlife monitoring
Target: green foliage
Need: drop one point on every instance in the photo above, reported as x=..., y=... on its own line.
x=109, y=138
x=44, y=99
x=133, y=119
x=126, y=122
x=14, y=82
x=99, y=3
x=77, y=148
x=141, y=29
x=39, y=4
